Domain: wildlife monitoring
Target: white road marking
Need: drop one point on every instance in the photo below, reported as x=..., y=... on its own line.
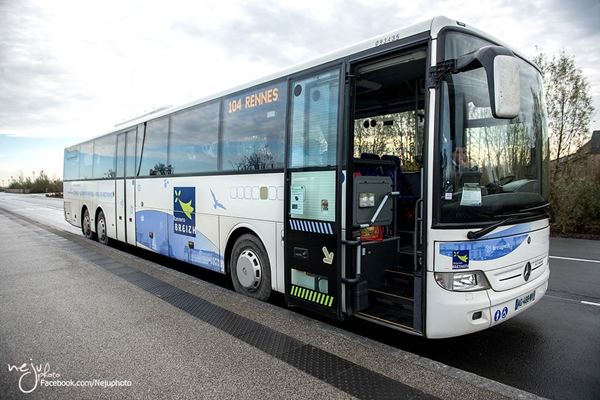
x=562, y=298
x=575, y=259
x=590, y=303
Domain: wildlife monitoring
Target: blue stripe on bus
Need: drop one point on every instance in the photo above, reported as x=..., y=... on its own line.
x=484, y=250
x=311, y=226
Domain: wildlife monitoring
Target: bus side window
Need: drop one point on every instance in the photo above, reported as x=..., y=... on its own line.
x=251, y=119
x=193, y=133
x=314, y=123
x=154, y=156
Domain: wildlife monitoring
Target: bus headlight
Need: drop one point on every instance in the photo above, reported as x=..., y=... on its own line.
x=462, y=281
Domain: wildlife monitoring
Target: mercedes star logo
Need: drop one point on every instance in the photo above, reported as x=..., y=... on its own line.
x=527, y=272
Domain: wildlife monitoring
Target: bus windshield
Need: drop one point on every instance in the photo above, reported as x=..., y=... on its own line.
x=490, y=168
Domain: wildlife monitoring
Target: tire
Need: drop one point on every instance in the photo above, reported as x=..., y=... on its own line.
x=86, y=225
x=101, y=228
x=250, y=268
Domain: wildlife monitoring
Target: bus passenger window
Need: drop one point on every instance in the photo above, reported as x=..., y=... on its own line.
x=314, y=123
x=154, y=156
x=192, y=139
x=253, y=123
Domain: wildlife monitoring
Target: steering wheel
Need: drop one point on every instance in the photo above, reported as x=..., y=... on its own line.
x=495, y=186
x=507, y=178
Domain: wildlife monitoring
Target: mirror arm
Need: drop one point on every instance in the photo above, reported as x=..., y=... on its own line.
x=437, y=73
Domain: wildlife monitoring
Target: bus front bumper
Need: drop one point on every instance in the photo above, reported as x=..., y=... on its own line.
x=452, y=314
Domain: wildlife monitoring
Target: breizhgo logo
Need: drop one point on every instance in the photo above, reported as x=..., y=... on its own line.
x=184, y=219
x=460, y=259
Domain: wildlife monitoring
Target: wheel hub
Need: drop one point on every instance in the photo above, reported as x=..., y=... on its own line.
x=101, y=229
x=86, y=224
x=248, y=270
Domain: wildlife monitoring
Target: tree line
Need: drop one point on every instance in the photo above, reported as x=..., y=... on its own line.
x=41, y=184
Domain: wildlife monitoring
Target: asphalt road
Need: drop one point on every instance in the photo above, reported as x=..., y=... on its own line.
x=552, y=350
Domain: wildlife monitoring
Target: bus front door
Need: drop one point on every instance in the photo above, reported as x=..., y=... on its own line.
x=313, y=206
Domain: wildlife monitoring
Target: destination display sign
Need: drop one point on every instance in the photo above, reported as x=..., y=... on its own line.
x=254, y=100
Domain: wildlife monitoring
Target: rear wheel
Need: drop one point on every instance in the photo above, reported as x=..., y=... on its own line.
x=86, y=225
x=250, y=268
x=101, y=228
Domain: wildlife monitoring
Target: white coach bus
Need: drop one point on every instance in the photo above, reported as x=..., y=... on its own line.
x=402, y=180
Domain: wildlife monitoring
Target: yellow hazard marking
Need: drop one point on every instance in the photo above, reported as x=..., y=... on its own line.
x=312, y=296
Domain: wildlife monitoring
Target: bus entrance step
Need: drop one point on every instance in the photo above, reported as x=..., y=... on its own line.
x=399, y=276
x=399, y=296
x=406, y=258
x=389, y=314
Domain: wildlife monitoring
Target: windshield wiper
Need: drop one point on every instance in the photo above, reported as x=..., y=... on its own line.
x=526, y=212
x=482, y=232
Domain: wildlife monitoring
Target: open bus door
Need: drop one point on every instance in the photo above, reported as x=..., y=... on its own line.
x=384, y=199
x=314, y=179
x=353, y=221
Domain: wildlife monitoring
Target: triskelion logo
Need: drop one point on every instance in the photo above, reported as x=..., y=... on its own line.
x=184, y=219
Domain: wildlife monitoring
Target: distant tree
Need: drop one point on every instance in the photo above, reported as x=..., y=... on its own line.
x=569, y=104
x=259, y=158
x=159, y=169
x=393, y=134
x=572, y=194
x=41, y=184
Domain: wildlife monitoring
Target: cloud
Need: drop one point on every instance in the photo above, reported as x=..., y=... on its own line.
x=32, y=77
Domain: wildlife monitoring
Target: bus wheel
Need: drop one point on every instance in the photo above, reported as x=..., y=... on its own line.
x=250, y=268
x=101, y=229
x=86, y=225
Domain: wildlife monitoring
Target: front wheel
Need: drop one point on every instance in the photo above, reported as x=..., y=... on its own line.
x=101, y=228
x=250, y=268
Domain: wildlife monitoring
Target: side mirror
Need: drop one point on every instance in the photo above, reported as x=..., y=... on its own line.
x=502, y=72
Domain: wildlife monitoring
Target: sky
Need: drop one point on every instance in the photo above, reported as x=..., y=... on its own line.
x=71, y=70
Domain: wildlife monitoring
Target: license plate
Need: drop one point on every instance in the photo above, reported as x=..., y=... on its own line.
x=524, y=300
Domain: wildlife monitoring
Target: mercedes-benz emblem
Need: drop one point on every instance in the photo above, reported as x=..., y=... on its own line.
x=527, y=271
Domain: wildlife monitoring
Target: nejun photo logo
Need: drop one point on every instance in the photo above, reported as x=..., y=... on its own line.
x=35, y=375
